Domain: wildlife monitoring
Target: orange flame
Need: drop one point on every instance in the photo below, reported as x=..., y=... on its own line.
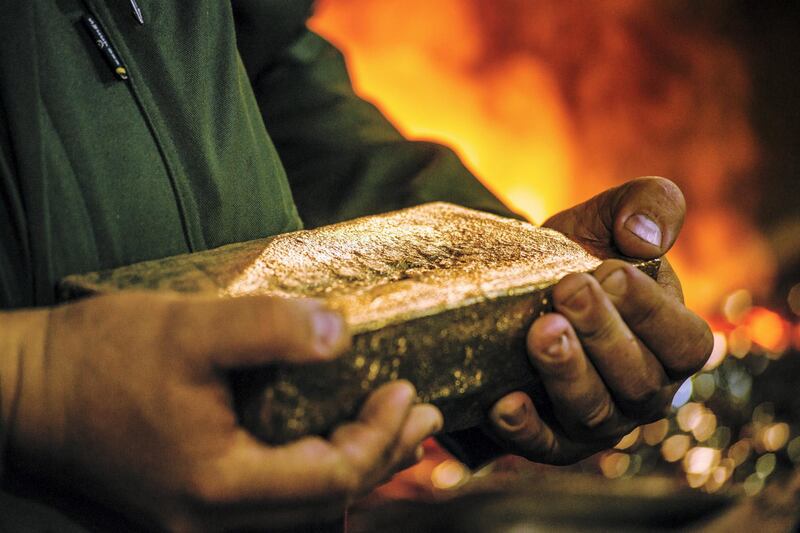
x=550, y=102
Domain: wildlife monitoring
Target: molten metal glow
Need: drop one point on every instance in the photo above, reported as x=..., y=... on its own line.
x=550, y=102
x=767, y=329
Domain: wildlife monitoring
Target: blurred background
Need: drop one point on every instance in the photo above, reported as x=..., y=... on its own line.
x=552, y=101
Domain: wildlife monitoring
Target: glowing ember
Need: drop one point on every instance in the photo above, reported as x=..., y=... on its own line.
x=675, y=447
x=700, y=460
x=775, y=436
x=690, y=415
x=740, y=451
x=696, y=480
x=719, y=475
x=767, y=329
x=705, y=427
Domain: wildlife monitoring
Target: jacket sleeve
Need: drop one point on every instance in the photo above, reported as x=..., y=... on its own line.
x=15, y=272
x=343, y=158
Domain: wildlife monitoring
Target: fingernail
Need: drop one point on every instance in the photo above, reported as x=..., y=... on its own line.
x=644, y=228
x=328, y=328
x=558, y=348
x=615, y=283
x=408, y=392
x=438, y=423
x=419, y=453
x=579, y=301
x=435, y=420
x=516, y=417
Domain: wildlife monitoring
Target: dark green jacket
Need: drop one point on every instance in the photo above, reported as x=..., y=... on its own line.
x=96, y=172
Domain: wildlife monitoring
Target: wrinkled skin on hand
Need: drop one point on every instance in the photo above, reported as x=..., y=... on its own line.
x=619, y=344
x=126, y=400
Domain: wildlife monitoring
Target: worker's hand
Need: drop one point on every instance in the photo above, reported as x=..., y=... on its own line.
x=128, y=402
x=618, y=345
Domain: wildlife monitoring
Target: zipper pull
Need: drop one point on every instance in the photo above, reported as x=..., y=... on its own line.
x=137, y=12
x=104, y=45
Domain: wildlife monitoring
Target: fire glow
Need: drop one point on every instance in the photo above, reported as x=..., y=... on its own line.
x=550, y=102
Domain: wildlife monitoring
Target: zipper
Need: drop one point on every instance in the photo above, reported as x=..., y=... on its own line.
x=192, y=234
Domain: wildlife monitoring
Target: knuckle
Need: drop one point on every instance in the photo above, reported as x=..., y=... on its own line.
x=647, y=406
x=693, y=353
x=539, y=446
x=647, y=310
x=540, y=454
x=644, y=394
x=598, y=416
x=603, y=331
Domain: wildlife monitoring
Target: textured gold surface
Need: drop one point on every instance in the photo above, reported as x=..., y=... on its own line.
x=437, y=294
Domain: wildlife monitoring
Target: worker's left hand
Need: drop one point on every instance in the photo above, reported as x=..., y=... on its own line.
x=619, y=344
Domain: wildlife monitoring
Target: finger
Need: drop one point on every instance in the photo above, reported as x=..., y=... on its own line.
x=640, y=218
x=423, y=421
x=408, y=462
x=668, y=280
x=256, y=330
x=516, y=423
x=681, y=340
x=311, y=469
x=632, y=373
x=647, y=217
x=254, y=485
x=369, y=444
x=585, y=407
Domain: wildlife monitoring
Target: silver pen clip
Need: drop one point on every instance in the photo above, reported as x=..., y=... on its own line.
x=137, y=12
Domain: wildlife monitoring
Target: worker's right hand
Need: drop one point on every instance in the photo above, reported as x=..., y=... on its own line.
x=125, y=399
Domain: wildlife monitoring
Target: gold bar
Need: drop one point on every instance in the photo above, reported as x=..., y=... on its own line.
x=437, y=294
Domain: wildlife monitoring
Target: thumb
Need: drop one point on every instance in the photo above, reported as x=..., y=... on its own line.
x=640, y=218
x=255, y=330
